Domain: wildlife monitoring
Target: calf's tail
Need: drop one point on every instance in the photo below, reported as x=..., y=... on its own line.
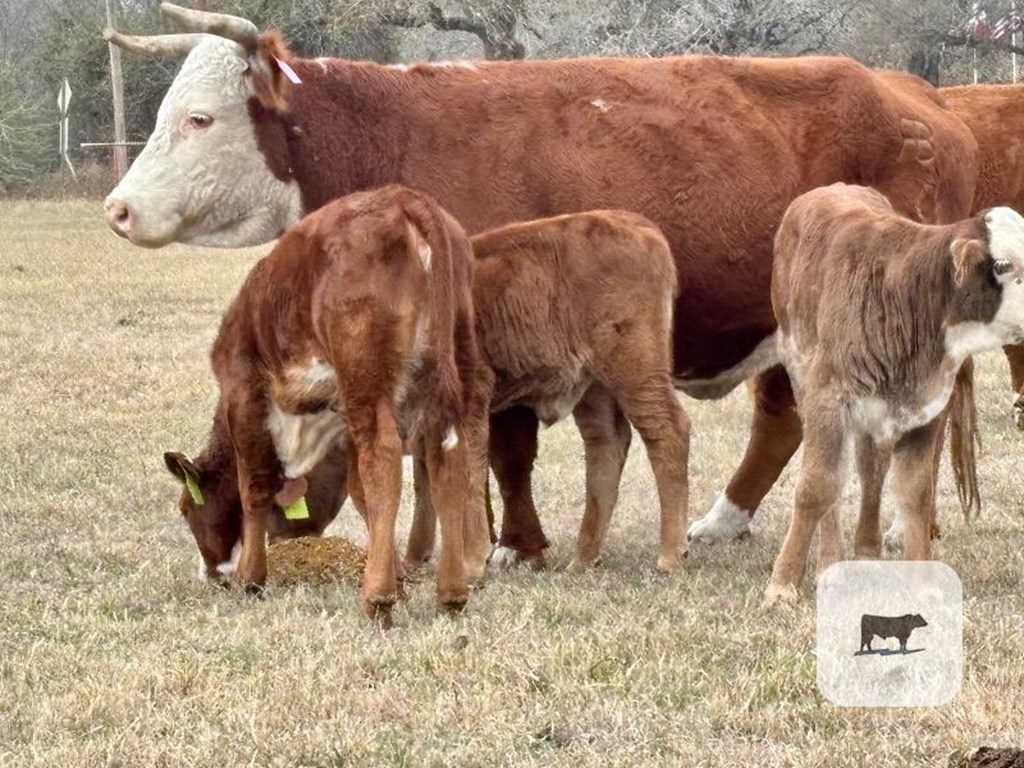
x=446, y=259
x=964, y=440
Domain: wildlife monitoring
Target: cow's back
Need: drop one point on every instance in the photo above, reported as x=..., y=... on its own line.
x=711, y=149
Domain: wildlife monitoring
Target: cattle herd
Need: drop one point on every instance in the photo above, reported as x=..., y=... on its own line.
x=466, y=250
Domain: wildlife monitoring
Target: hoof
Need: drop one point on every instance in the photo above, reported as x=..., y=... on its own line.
x=1018, y=413
x=505, y=558
x=671, y=563
x=253, y=590
x=452, y=601
x=893, y=538
x=580, y=565
x=775, y=594
x=378, y=611
x=724, y=522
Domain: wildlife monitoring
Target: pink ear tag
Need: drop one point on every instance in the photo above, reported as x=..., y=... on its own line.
x=288, y=71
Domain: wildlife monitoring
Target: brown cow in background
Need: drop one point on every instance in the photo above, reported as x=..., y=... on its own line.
x=712, y=149
x=358, y=326
x=995, y=115
x=876, y=315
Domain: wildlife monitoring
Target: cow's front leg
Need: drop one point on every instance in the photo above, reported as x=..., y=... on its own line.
x=258, y=477
x=420, y=547
x=513, y=449
x=374, y=438
x=1015, y=357
x=774, y=437
x=914, y=488
x=606, y=436
x=872, y=466
x=817, y=492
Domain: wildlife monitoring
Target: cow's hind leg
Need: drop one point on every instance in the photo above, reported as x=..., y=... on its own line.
x=513, y=449
x=652, y=406
x=450, y=493
x=817, y=491
x=774, y=437
x=606, y=437
x=374, y=438
x=914, y=487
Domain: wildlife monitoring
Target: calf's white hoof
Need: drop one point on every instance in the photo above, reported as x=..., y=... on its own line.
x=893, y=537
x=724, y=522
x=775, y=594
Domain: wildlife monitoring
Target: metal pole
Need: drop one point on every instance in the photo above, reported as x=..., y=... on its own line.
x=120, y=153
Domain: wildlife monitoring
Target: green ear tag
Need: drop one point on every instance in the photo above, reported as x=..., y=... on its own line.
x=193, y=490
x=297, y=510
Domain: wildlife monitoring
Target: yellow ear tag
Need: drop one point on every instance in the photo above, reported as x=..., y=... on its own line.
x=297, y=510
x=193, y=490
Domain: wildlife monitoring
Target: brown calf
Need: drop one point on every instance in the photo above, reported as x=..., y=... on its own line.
x=211, y=504
x=574, y=315
x=359, y=326
x=876, y=315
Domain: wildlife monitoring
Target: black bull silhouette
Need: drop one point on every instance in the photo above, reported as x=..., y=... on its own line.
x=899, y=627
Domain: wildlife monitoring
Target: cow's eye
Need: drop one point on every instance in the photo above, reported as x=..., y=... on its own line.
x=199, y=121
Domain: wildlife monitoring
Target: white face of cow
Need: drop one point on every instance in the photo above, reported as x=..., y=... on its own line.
x=1006, y=243
x=201, y=178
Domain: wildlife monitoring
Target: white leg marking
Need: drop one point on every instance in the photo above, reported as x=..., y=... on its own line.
x=229, y=567
x=503, y=558
x=725, y=521
x=451, y=439
x=893, y=537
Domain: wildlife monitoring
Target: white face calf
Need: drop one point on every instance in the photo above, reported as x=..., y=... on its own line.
x=201, y=178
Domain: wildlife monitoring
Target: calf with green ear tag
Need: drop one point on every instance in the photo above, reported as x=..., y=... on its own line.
x=211, y=504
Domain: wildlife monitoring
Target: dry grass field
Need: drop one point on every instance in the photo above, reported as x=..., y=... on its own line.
x=112, y=653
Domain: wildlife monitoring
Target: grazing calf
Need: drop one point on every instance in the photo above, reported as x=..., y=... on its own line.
x=359, y=326
x=574, y=315
x=876, y=315
x=212, y=505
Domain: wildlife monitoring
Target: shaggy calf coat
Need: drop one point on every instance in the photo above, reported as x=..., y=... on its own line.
x=358, y=327
x=573, y=314
x=876, y=315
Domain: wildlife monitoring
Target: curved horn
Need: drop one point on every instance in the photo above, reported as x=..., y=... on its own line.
x=176, y=46
x=242, y=31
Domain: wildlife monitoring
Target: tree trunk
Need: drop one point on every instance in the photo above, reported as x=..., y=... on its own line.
x=926, y=64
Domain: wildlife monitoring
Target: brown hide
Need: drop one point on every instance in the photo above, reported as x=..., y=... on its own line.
x=864, y=298
x=574, y=313
x=711, y=149
x=995, y=115
x=354, y=285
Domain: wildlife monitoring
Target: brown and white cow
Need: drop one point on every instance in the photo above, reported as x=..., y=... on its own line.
x=710, y=148
x=876, y=315
x=359, y=325
x=573, y=314
x=995, y=115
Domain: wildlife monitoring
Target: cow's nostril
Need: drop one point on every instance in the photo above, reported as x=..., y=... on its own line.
x=119, y=216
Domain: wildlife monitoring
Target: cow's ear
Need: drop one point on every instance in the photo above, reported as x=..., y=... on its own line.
x=967, y=254
x=270, y=76
x=181, y=466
